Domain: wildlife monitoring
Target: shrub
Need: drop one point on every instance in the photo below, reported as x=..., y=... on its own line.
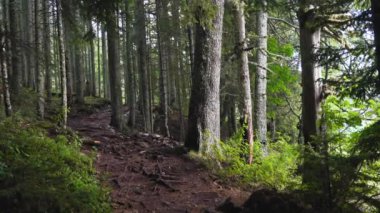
x=40, y=174
x=276, y=170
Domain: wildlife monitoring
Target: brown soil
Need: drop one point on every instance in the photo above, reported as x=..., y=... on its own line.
x=150, y=173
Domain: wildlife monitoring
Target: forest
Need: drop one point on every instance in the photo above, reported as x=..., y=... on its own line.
x=190, y=106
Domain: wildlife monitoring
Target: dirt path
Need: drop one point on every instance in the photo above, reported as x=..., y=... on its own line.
x=149, y=173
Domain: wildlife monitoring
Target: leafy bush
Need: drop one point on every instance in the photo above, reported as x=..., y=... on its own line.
x=40, y=174
x=276, y=170
x=351, y=171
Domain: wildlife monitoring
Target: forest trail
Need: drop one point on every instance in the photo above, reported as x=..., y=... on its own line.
x=150, y=173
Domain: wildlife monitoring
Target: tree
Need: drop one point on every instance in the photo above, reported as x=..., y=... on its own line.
x=261, y=75
x=15, y=45
x=142, y=63
x=37, y=49
x=62, y=62
x=204, y=110
x=47, y=51
x=129, y=72
x=113, y=66
x=245, y=77
x=79, y=65
x=163, y=44
x=310, y=36
x=4, y=70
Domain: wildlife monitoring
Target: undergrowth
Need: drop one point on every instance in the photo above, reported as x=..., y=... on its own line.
x=276, y=170
x=42, y=174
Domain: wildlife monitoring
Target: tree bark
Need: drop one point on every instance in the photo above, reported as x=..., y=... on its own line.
x=47, y=52
x=79, y=71
x=62, y=62
x=99, y=62
x=163, y=45
x=245, y=77
x=180, y=74
x=142, y=63
x=69, y=62
x=105, y=64
x=261, y=76
x=39, y=70
x=204, y=110
x=114, y=71
x=4, y=73
x=309, y=43
x=15, y=47
x=92, y=64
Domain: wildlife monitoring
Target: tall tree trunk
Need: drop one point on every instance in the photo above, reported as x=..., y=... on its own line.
x=79, y=71
x=69, y=62
x=142, y=63
x=39, y=71
x=311, y=99
x=163, y=43
x=261, y=76
x=375, y=7
x=99, y=62
x=309, y=41
x=191, y=42
x=29, y=38
x=244, y=73
x=47, y=51
x=16, y=47
x=129, y=73
x=180, y=75
x=62, y=62
x=114, y=71
x=4, y=71
x=92, y=64
x=204, y=110
x=105, y=64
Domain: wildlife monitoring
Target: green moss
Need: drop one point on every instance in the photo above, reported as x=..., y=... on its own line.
x=40, y=174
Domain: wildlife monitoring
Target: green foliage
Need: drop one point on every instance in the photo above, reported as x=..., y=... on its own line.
x=276, y=170
x=353, y=159
x=25, y=103
x=40, y=174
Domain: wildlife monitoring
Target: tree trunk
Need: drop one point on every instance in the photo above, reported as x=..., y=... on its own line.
x=261, y=76
x=314, y=174
x=375, y=6
x=62, y=62
x=47, y=52
x=4, y=74
x=142, y=63
x=245, y=77
x=15, y=45
x=309, y=41
x=99, y=62
x=180, y=75
x=105, y=64
x=69, y=62
x=204, y=110
x=92, y=64
x=39, y=71
x=129, y=73
x=191, y=42
x=163, y=44
x=114, y=71
x=79, y=71
x=29, y=38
